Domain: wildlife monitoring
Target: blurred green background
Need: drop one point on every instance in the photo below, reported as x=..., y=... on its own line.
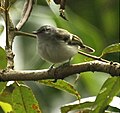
x=95, y=21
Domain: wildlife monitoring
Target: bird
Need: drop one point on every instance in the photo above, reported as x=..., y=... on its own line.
x=57, y=45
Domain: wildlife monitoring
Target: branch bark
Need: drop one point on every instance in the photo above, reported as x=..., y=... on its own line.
x=61, y=72
x=9, y=34
x=21, y=33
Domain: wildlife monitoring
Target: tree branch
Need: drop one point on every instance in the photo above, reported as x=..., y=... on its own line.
x=26, y=13
x=21, y=33
x=61, y=72
x=93, y=57
x=6, y=22
x=9, y=34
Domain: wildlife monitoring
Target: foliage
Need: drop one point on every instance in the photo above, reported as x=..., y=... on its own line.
x=1, y=29
x=91, y=20
x=111, y=49
x=62, y=85
x=87, y=103
x=3, y=58
x=18, y=99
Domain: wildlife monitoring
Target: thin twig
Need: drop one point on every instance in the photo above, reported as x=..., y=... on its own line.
x=21, y=33
x=26, y=13
x=93, y=57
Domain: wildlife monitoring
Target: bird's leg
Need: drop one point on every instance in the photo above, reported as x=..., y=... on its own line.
x=61, y=66
x=55, y=75
x=65, y=64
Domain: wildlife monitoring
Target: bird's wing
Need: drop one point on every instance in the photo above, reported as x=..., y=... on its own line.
x=62, y=34
x=69, y=38
x=75, y=40
x=72, y=39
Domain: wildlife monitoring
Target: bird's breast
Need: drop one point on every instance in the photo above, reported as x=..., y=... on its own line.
x=56, y=52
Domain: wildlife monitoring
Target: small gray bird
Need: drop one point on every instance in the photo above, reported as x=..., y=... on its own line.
x=57, y=45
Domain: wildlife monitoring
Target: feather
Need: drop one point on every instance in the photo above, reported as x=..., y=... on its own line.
x=72, y=39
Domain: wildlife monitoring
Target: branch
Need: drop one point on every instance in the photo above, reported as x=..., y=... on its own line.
x=26, y=13
x=21, y=33
x=6, y=22
x=9, y=35
x=61, y=72
x=93, y=57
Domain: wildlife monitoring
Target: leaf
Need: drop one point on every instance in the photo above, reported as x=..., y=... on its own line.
x=109, y=89
x=62, y=85
x=6, y=99
x=3, y=58
x=86, y=104
x=20, y=98
x=7, y=108
x=72, y=106
x=24, y=100
x=1, y=29
x=2, y=86
x=111, y=49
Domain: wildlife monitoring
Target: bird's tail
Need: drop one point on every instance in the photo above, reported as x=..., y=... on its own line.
x=87, y=49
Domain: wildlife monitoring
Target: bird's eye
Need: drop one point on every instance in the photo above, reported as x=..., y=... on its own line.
x=47, y=29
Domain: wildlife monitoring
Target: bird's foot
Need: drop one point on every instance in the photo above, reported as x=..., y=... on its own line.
x=55, y=75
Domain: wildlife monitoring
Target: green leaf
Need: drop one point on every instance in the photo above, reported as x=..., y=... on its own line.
x=6, y=95
x=20, y=98
x=85, y=105
x=73, y=106
x=111, y=49
x=2, y=86
x=24, y=100
x=1, y=29
x=109, y=89
x=62, y=85
x=3, y=58
x=7, y=108
x=6, y=99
